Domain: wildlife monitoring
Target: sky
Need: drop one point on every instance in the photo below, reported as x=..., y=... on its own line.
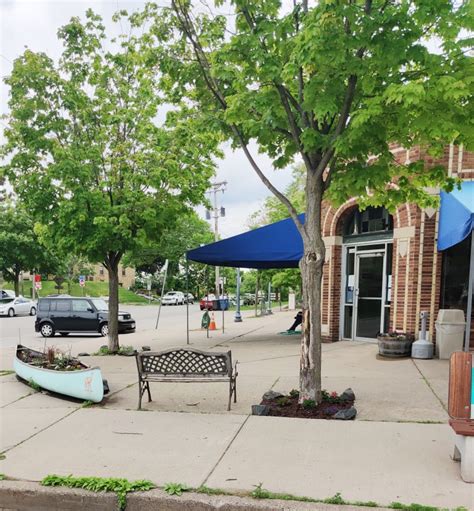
x=34, y=23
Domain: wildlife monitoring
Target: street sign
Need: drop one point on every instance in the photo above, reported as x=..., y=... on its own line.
x=82, y=280
x=37, y=281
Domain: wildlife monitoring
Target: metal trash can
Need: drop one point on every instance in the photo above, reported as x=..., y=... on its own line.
x=450, y=328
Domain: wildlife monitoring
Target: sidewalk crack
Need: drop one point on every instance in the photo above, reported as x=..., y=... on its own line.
x=41, y=430
x=429, y=386
x=225, y=451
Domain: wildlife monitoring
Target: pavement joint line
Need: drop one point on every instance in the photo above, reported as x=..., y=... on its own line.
x=20, y=398
x=429, y=386
x=237, y=336
x=41, y=430
x=225, y=451
x=265, y=359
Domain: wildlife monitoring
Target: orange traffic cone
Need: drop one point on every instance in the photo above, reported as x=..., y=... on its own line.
x=212, y=324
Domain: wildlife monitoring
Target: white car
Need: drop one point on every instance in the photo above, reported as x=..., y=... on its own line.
x=15, y=306
x=173, y=298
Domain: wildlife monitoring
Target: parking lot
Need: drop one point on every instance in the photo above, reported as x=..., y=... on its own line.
x=20, y=329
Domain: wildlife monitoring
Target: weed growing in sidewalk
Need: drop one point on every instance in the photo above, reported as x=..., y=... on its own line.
x=175, y=488
x=210, y=491
x=6, y=372
x=87, y=404
x=2, y=477
x=123, y=350
x=101, y=484
x=34, y=385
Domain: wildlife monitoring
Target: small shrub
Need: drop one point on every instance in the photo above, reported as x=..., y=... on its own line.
x=332, y=397
x=2, y=477
x=294, y=393
x=283, y=401
x=175, y=488
x=309, y=403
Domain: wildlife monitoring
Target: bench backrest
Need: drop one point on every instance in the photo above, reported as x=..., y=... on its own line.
x=461, y=382
x=184, y=362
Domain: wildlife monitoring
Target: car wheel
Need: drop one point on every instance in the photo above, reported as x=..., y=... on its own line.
x=47, y=330
x=11, y=313
x=33, y=311
x=104, y=330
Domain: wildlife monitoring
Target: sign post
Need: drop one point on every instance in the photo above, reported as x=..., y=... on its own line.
x=82, y=283
x=37, y=285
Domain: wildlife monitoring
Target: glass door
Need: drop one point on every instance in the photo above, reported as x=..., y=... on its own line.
x=369, y=295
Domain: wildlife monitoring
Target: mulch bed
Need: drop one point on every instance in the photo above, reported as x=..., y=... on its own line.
x=289, y=407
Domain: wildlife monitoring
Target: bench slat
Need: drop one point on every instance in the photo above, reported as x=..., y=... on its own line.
x=460, y=375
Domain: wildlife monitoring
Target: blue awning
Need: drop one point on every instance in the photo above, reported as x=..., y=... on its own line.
x=456, y=217
x=277, y=245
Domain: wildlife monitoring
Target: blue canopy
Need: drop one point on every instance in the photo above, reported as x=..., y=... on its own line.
x=277, y=245
x=456, y=218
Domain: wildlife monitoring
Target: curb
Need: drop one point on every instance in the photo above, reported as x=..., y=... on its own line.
x=29, y=496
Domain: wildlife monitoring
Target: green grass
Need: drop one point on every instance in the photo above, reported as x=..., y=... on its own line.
x=93, y=289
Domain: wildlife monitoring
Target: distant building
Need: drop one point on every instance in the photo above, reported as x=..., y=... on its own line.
x=126, y=275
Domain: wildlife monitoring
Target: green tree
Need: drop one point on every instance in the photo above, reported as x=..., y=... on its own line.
x=333, y=85
x=189, y=231
x=20, y=249
x=87, y=154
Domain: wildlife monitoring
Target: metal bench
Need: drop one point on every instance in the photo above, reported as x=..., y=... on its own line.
x=461, y=411
x=185, y=365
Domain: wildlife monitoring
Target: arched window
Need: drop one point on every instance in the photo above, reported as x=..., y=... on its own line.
x=368, y=221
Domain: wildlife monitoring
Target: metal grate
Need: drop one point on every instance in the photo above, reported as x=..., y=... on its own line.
x=185, y=362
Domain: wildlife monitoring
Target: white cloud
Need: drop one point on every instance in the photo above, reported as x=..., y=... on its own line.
x=34, y=24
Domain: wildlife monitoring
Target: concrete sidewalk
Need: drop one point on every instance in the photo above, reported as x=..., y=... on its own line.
x=398, y=449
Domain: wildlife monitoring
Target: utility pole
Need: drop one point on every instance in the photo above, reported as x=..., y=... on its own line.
x=215, y=214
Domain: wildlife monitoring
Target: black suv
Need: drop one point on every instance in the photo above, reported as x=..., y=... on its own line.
x=74, y=314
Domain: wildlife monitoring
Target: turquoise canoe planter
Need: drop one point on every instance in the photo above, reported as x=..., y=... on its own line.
x=83, y=383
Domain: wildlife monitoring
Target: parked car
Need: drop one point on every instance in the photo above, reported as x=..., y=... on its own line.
x=207, y=302
x=173, y=298
x=12, y=306
x=188, y=298
x=73, y=314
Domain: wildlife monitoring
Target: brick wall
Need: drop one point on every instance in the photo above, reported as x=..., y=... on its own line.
x=417, y=265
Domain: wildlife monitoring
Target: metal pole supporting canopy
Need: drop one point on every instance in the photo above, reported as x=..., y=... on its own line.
x=470, y=289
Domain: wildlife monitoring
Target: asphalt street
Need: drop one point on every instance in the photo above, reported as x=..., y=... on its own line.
x=21, y=328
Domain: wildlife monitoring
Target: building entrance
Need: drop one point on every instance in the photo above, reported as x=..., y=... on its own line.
x=367, y=292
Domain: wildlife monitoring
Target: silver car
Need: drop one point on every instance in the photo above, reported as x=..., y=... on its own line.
x=17, y=306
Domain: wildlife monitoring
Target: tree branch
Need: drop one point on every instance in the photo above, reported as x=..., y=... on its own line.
x=190, y=33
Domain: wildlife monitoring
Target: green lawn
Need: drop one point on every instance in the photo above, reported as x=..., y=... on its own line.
x=91, y=289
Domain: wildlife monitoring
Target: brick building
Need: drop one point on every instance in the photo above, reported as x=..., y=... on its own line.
x=381, y=270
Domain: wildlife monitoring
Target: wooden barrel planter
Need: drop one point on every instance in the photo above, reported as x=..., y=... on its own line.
x=394, y=346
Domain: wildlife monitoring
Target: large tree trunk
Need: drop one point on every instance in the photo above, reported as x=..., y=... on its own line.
x=16, y=284
x=112, y=263
x=311, y=266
